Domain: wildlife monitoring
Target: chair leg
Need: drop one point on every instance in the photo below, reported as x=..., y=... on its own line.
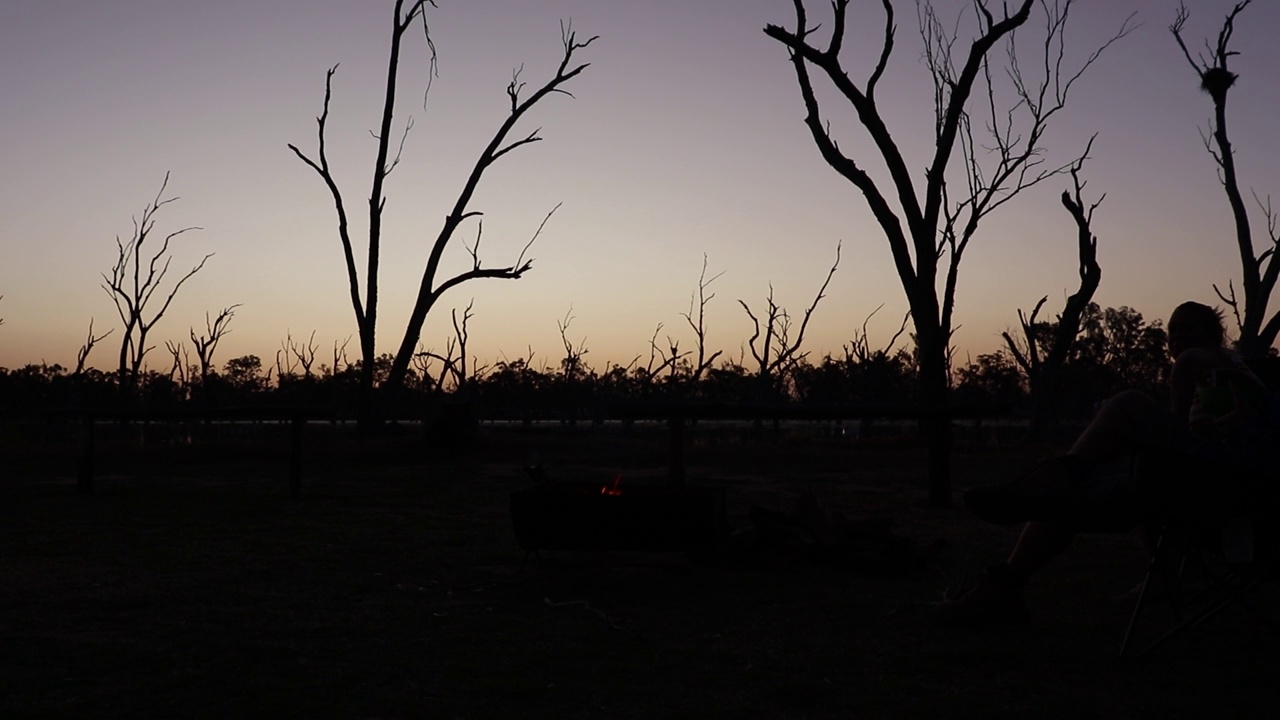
x=1224, y=589
x=1133, y=619
x=1153, y=567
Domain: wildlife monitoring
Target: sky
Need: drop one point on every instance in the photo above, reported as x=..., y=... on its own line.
x=683, y=140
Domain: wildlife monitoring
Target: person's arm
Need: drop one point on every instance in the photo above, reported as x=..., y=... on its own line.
x=1187, y=370
x=1248, y=396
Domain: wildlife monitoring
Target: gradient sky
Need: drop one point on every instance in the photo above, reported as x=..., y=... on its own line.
x=685, y=138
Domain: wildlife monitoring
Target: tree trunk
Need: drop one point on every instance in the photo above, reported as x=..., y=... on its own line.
x=935, y=422
x=1045, y=421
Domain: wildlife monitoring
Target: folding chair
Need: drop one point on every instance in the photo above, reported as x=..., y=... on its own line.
x=1202, y=570
x=1211, y=547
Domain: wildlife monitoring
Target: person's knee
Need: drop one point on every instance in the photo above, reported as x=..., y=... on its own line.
x=1130, y=403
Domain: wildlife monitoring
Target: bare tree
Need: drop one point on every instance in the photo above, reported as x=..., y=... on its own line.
x=207, y=343
x=1259, y=272
x=90, y=341
x=699, y=326
x=422, y=362
x=178, y=371
x=859, y=349
x=776, y=351
x=293, y=355
x=1043, y=365
x=454, y=360
x=340, y=359
x=930, y=228
x=366, y=307
x=571, y=365
x=661, y=359
x=134, y=280
x=286, y=365
x=461, y=333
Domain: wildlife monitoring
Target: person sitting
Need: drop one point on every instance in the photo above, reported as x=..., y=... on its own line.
x=1212, y=422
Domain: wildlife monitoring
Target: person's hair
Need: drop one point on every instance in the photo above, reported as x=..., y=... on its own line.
x=1207, y=319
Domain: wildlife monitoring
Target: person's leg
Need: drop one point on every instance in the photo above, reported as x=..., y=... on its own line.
x=996, y=599
x=1052, y=490
x=1127, y=422
x=1039, y=543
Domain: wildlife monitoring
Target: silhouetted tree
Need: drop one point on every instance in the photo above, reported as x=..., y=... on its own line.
x=134, y=280
x=1259, y=272
x=992, y=378
x=454, y=360
x=207, y=343
x=1041, y=358
x=244, y=374
x=340, y=361
x=866, y=374
x=515, y=389
x=181, y=370
x=1130, y=352
x=777, y=352
x=430, y=290
x=299, y=354
x=668, y=359
x=699, y=325
x=932, y=225
x=90, y=341
x=731, y=381
x=1115, y=349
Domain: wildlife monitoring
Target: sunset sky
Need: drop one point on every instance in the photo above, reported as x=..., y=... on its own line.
x=683, y=138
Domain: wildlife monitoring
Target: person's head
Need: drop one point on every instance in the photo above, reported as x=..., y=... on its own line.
x=1195, y=325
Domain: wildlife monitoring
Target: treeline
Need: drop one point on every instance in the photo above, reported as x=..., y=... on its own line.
x=1116, y=349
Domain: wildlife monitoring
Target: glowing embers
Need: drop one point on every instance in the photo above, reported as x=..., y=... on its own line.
x=618, y=515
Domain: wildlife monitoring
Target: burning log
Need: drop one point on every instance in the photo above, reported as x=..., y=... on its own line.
x=617, y=517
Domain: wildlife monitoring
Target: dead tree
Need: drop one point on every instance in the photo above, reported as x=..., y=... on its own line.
x=461, y=334
x=90, y=341
x=1259, y=272
x=286, y=365
x=859, y=349
x=422, y=361
x=366, y=306
x=699, y=326
x=134, y=280
x=927, y=222
x=293, y=355
x=452, y=365
x=661, y=360
x=1041, y=358
x=571, y=364
x=340, y=358
x=207, y=343
x=179, y=370
x=776, y=352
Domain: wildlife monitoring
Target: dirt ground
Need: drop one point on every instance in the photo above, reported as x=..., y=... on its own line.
x=191, y=585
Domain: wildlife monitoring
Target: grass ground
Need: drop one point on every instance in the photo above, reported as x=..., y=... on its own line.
x=190, y=585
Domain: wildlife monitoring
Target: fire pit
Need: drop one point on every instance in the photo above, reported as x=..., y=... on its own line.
x=616, y=516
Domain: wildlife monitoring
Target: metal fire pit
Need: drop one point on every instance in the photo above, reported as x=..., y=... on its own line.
x=609, y=517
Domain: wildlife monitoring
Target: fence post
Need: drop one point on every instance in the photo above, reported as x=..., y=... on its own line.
x=676, y=423
x=295, y=455
x=84, y=464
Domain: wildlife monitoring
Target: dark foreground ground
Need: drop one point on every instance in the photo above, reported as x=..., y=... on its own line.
x=191, y=586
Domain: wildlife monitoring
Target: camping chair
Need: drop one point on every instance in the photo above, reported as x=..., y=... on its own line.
x=1203, y=561
x=1210, y=550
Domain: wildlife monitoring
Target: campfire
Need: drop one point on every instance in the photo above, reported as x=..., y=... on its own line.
x=612, y=488
x=616, y=515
